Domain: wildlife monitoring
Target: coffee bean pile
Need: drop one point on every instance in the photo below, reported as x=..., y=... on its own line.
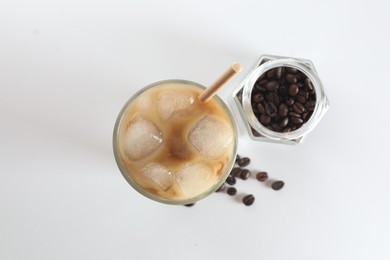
x=283, y=99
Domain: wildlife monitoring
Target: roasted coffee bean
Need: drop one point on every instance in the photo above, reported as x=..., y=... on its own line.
x=260, y=108
x=289, y=101
x=310, y=105
x=262, y=176
x=221, y=188
x=231, y=191
x=298, y=107
x=284, y=122
x=283, y=91
x=265, y=119
x=263, y=82
x=278, y=72
x=277, y=185
x=296, y=120
x=235, y=171
x=270, y=74
x=282, y=110
x=258, y=97
x=294, y=114
x=237, y=157
x=287, y=129
x=273, y=98
x=189, y=205
x=270, y=109
x=270, y=127
x=272, y=85
x=245, y=161
x=293, y=89
x=291, y=78
x=245, y=174
x=231, y=180
x=300, y=99
x=248, y=200
x=276, y=127
x=300, y=84
x=309, y=85
x=291, y=70
x=305, y=115
x=302, y=92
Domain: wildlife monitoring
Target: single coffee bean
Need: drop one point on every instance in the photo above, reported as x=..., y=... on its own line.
x=291, y=78
x=282, y=110
x=221, y=188
x=300, y=84
x=283, y=91
x=245, y=161
x=294, y=114
x=298, y=107
x=260, y=108
x=231, y=180
x=309, y=85
x=235, y=171
x=277, y=185
x=189, y=205
x=301, y=99
x=258, y=97
x=289, y=101
x=263, y=82
x=310, y=105
x=245, y=174
x=270, y=74
x=305, y=115
x=262, y=176
x=278, y=72
x=296, y=120
x=265, y=119
x=291, y=70
x=287, y=129
x=270, y=109
x=248, y=200
x=273, y=98
x=272, y=85
x=231, y=191
x=284, y=122
x=276, y=127
x=293, y=89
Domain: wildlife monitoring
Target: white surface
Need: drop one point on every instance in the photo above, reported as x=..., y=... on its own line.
x=66, y=69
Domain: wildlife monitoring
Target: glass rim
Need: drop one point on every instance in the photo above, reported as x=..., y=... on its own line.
x=127, y=176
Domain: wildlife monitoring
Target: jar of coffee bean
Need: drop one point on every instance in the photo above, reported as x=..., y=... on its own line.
x=281, y=99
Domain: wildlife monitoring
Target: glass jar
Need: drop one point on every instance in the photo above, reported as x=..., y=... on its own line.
x=243, y=99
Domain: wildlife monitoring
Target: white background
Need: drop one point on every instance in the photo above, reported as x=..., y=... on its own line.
x=66, y=69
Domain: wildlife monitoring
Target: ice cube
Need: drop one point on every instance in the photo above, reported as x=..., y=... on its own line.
x=194, y=179
x=142, y=137
x=157, y=175
x=211, y=136
x=175, y=104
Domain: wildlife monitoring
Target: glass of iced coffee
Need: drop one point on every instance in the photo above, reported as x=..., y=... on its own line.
x=172, y=147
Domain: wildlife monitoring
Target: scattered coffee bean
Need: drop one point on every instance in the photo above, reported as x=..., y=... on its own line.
x=262, y=176
x=245, y=174
x=237, y=158
x=245, y=161
x=231, y=191
x=231, y=180
x=248, y=200
x=277, y=185
x=221, y=188
x=189, y=205
x=235, y=171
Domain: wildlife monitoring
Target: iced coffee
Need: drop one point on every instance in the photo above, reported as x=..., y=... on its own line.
x=170, y=146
